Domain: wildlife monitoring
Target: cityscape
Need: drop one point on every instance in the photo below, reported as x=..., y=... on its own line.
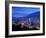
x=25, y=18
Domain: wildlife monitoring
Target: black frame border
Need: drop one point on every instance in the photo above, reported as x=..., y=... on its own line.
x=7, y=18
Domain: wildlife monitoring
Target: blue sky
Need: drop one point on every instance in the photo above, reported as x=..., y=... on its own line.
x=23, y=11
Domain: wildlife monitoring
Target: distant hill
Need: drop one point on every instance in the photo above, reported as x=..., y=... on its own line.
x=33, y=16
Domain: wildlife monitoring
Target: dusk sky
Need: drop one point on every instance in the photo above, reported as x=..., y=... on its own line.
x=23, y=11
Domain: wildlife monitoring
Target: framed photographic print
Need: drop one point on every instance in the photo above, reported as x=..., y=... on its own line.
x=24, y=18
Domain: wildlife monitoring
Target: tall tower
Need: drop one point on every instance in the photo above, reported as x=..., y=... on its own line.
x=29, y=20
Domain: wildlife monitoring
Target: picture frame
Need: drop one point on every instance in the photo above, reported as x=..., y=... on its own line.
x=18, y=4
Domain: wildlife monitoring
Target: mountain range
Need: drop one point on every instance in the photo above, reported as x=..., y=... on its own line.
x=33, y=16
